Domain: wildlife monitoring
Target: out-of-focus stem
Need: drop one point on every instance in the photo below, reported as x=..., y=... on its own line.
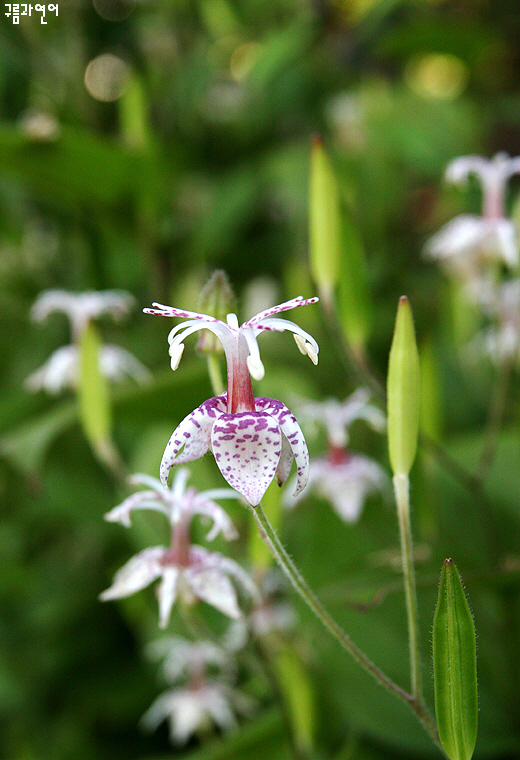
x=402, y=497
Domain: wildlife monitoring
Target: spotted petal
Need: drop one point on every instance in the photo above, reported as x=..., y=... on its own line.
x=138, y=573
x=247, y=448
x=293, y=432
x=194, y=433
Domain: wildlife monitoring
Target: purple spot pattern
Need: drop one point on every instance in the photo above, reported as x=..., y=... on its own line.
x=293, y=434
x=247, y=450
x=250, y=448
x=194, y=434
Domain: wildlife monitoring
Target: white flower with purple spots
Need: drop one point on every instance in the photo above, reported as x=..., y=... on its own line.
x=185, y=570
x=190, y=572
x=253, y=439
x=178, y=503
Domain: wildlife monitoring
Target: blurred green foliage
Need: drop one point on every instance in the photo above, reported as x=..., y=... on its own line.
x=202, y=162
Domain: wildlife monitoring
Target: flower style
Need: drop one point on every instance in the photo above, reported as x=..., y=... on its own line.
x=61, y=370
x=185, y=570
x=252, y=439
x=342, y=477
x=466, y=241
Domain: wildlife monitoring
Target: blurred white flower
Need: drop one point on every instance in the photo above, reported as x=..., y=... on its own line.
x=337, y=416
x=82, y=307
x=191, y=573
x=187, y=659
x=189, y=710
x=342, y=477
x=177, y=503
x=345, y=483
x=186, y=570
x=200, y=703
x=62, y=368
x=501, y=340
x=467, y=241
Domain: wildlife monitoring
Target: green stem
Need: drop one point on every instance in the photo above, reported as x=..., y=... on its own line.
x=294, y=575
x=402, y=497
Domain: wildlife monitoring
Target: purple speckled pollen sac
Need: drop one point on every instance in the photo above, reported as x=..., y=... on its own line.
x=252, y=439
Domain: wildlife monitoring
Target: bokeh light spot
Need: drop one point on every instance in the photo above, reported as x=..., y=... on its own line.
x=106, y=77
x=114, y=10
x=437, y=76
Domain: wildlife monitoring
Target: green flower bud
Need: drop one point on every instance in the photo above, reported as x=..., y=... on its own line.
x=217, y=300
x=403, y=392
x=324, y=222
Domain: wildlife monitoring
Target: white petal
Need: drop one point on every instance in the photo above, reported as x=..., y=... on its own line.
x=136, y=574
x=226, y=565
x=117, y=363
x=293, y=432
x=507, y=239
x=184, y=709
x=221, y=520
x=217, y=705
x=247, y=448
x=194, y=433
x=141, y=500
x=208, y=579
x=459, y=169
x=59, y=371
x=215, y=588
x=461, y=235
x=167, y=593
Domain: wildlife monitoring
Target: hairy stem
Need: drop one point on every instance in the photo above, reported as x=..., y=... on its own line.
x=294, y=575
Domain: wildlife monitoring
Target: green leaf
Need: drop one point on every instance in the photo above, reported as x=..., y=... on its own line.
x=403, y=392
x=455, y=667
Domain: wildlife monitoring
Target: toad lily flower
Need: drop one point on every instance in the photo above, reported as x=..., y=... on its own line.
x=342, y=477
x=201, y=701
x=62, y=369
x=252, y=439
x=186, y=570
x=468, y=240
